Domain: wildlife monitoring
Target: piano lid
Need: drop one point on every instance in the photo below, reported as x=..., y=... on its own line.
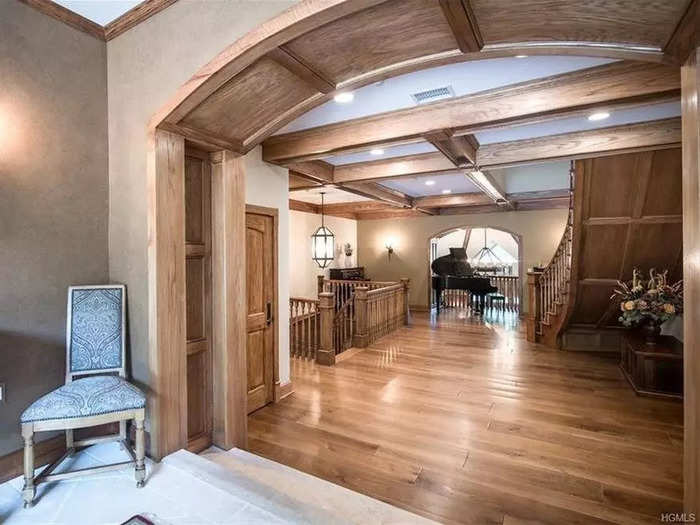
x=455, y=264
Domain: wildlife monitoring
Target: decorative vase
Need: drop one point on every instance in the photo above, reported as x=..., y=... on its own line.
x=651, y=331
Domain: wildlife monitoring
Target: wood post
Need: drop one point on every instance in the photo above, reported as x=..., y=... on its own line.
x=320, y=279
x=406, y=286
x=140, y=471
x=533, y=310
x=229, y=301
x=166, y=293
x=361, y=336
x=690, y=91
x=29, y=490
x=326, y=350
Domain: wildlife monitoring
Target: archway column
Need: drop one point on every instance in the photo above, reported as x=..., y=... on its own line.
x=690, y=91
x=167, y=363
x=167, y=409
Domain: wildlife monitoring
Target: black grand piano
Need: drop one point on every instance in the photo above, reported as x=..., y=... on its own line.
x=453, y=272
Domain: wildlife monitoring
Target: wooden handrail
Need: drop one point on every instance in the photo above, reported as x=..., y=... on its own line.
x=303, y=327
x=549, y=288
x=380, y=311
x=346, y=313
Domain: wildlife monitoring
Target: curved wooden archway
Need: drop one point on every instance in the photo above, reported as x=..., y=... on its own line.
x=297, y=61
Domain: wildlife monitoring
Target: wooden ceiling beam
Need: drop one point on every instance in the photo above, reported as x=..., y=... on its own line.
x=314, y=170
x=682, y=41
x=461, y=151
x=451, y=201
x=582, y=144
x=374, y=191
x=307, y=207
x=296, y=65
x=592, y=87
x=410, y=165
x=460, y=16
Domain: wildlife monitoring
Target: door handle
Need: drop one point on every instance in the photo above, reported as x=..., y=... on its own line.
x=268, y=319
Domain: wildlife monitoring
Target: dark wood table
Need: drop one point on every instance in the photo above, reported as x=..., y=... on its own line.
x=655, y=371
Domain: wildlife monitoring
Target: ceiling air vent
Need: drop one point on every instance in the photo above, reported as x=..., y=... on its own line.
x=431, y=95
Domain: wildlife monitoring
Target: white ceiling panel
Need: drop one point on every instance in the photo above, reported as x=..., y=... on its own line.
x=332, y=196
x=464, y=78
x=568, y=125
x=394, y=151
x=534, y=177
x=416, y=186
x=99, y=11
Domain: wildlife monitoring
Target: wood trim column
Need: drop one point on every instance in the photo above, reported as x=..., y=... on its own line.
x=690, y=87
x=325, y=355
x=229, y=300
x=167, y=408
x=533, y=310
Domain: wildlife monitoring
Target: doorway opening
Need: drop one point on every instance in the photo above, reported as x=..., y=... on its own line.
x=491, y=253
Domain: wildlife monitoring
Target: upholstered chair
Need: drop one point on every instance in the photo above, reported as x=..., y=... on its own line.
x=96, y=391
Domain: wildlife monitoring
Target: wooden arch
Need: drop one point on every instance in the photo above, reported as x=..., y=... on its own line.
x=297, y=61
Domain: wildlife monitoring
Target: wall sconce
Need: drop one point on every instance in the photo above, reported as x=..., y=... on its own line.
x=389, y=245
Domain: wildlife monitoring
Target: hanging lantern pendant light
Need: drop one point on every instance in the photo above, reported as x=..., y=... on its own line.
x=323, y=243
x=486, y=259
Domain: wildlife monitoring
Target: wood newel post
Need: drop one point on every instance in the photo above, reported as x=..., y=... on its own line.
x=534, y=306
x=320, y=279
x=360, y=337
x=326, y=351
x=406, y=286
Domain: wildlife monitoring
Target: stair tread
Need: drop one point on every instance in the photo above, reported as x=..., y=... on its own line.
x=304, y=498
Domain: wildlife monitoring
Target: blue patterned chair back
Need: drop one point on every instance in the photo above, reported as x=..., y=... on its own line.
x=95, y=331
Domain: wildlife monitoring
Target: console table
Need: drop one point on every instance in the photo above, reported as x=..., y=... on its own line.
x=655, y=371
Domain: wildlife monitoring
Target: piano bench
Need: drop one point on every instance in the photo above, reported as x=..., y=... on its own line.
x=496, y=297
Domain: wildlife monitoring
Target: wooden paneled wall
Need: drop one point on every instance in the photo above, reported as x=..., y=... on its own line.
x=629, y=216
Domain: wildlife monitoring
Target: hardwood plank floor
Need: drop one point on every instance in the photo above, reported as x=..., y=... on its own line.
x=464, y=421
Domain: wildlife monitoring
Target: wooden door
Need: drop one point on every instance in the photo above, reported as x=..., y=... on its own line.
x=260, y=285
x=198, y=299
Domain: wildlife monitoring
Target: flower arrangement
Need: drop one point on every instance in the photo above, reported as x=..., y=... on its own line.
x=653, y=301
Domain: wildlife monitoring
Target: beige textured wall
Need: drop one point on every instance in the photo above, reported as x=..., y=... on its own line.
x=303, y=269
x=268, y=185
x=541, y=232
x=53, y=196
x=145, y=67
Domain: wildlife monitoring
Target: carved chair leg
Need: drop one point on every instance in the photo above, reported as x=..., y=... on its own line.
x=69, y=439
x=29, y=490
x=140, y=453
x=122, y=434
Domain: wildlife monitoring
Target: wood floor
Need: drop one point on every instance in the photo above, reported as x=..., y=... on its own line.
x=463, y=421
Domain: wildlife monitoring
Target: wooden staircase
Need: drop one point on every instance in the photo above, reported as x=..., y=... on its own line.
x=625, y=212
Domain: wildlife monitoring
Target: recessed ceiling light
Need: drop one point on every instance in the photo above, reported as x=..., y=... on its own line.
x=600, y=115
x=344, y=97
x=445, y=192
x=520, y=56
x=377, y=151
x=429, y=182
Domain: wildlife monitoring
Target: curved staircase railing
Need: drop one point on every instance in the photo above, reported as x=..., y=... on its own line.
x=549, y=288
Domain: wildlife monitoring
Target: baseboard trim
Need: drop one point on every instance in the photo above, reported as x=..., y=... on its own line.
x=282, y=390
x=45, y=452
x=418, y=308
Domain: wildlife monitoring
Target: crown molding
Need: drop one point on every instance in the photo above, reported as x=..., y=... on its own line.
x=116, y=27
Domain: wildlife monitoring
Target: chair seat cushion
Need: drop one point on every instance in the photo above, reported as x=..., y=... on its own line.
x=89, y=396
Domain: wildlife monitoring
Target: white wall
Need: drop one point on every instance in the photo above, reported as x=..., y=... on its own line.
x=303, y=270
x=268, y=185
